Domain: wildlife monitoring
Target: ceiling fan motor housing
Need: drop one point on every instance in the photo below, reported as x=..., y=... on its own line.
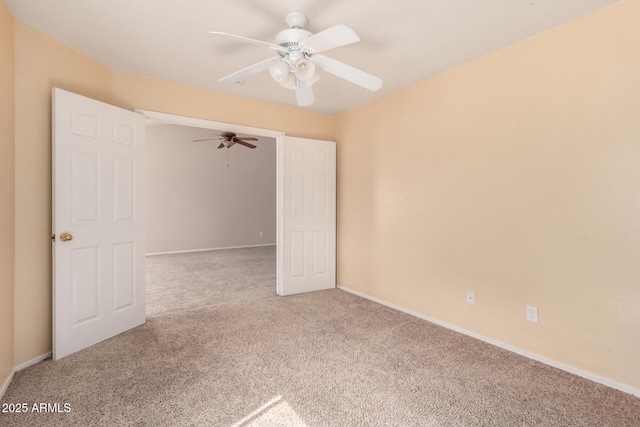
x=290, y=37
x=295, y=65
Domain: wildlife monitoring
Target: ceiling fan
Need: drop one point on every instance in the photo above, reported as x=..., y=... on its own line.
x=228, y=139
x=297, y=58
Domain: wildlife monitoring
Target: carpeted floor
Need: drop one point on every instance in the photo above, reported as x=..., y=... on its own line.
x=221, y=349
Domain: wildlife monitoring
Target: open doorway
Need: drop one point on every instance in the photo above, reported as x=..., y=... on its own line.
x=211, y=213
x=211, y=218
x=305, y=204
x=99, y=220
x=200, y=197
x=210, y=128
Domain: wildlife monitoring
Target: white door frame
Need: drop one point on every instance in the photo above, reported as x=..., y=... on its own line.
x=166, y=118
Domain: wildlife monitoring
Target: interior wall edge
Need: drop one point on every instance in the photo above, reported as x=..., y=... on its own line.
x=7, y=195
x=6, y=384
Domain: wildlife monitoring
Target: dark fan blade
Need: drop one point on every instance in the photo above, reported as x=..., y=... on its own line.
x=246, y=144
x=221, y=146
x=209, y=139
x=249, y=139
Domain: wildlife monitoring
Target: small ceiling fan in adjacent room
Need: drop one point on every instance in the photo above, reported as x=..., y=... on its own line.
x=228, y=139
x=297, y=58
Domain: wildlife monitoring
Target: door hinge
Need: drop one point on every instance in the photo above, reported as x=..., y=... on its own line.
x=53, y=237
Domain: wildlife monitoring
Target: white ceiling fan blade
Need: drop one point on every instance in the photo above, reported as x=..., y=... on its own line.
x=336, y=36
x=248, y=71
x=248, y=40
x=313, y=79
x=351, y=74
x=304, y=95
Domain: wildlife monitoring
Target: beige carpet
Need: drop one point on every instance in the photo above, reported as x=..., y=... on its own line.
x=221, y=349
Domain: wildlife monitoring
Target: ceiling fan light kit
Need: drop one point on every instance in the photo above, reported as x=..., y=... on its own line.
x=304, y=69
x=280, y=70
x=295, y=66
x=290, y=82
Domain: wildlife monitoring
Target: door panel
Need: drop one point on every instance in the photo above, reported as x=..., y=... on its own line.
x=98, y=190
x=124, y=190
x=308, y=209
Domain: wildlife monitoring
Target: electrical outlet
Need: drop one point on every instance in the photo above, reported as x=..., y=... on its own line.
x=471, y=297
x=261, y=234
x=532, y=314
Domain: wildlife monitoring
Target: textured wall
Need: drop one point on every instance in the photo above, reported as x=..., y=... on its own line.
x=41, y=64
x=6, y=192
x=517, y=176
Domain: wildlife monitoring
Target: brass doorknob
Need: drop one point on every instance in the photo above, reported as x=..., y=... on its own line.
x=65, y=237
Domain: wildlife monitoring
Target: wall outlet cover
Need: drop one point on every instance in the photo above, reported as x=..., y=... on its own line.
x=471, y=297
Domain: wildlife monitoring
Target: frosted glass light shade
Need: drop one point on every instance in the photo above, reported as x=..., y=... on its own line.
x=279, y=70
x=305, y=69
x=290, y=81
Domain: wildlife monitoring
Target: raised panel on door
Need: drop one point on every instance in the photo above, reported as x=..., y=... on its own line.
x=319, y=256
x=124, y=277
x=298, y=193
x=124, y=133
x=85, y=123
x=298, y=252
x=124, y=190
x=85, y=284
x=320, y=195
x=85, y=187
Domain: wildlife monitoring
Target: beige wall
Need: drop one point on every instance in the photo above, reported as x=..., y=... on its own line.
x=6, y=192
x=41, y=64
x=132, y=91
x=195, y=201
x=516, y=176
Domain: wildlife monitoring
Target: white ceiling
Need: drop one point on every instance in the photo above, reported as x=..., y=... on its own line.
x=402, y=41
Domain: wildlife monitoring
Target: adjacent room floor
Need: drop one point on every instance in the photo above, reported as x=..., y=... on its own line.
x=220, y=348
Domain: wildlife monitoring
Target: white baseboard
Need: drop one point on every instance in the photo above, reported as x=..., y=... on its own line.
x=208, y=249
x=33, y=361
x=588, y=375
x=20, y=367
x=5, y=386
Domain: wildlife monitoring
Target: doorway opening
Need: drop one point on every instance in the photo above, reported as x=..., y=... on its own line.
x=200, y=197
x=242, y=202
x=99, y=196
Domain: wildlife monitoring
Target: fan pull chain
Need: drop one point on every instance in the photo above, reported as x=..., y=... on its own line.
x=227, y=156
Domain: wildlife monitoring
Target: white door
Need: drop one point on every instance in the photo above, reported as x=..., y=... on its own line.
x=98, y=202
x=306, y=216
